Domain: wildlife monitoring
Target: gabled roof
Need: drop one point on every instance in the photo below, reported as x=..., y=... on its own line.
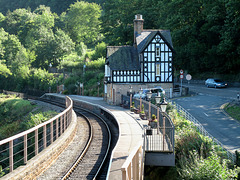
x=146, y=36
x=122, y=58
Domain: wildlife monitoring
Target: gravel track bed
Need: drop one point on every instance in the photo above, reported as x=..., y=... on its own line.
x=89, y=165
x=70, y=154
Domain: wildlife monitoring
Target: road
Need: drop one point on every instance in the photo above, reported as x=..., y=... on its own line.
x=205, y=107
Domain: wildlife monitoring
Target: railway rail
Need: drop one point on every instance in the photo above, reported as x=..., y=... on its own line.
x=92, y=161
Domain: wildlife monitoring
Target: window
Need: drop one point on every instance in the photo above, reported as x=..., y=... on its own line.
x=158, y=69
x=157, y=51
x=107, y=70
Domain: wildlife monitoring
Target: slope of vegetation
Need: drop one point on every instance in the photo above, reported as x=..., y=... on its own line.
x=196, y=156
x=70, y=34
x=17, y=115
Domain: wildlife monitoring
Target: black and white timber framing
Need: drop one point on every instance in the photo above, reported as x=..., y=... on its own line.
x=148, y=61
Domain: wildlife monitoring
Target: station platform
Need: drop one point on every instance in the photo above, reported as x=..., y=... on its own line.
x=130, y=133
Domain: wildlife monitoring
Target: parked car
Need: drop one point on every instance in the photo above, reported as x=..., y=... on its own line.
x=154, y=91
x=157, y=90
x=216, y=83
x=143, y=95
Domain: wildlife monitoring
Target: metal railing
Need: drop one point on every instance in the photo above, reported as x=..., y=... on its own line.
x=165, y=133
x=185, y=114
x=18, y=149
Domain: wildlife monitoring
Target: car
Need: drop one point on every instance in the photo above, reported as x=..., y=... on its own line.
x=143, y=95
x=157, y=90
x=154, y=91
x=216, y=83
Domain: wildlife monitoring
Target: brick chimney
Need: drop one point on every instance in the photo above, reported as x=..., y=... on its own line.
x=138, y=26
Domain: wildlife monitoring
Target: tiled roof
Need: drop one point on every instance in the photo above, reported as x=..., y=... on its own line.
x=146, y=36
x=126, y=57
x=122, y=58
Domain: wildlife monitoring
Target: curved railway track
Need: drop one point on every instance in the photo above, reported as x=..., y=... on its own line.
x=92, y=161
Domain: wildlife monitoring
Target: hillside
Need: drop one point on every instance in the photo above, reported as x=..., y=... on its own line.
x=69, y=34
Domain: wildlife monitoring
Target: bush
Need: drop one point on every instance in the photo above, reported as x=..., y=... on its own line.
x=17, y=115
x=35, y=119
x=190, y=140
x=196, y=167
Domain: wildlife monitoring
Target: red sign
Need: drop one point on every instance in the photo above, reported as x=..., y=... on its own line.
x=181, y=71
x=181, y=76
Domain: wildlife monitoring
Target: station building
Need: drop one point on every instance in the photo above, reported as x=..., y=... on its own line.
x=146, y=64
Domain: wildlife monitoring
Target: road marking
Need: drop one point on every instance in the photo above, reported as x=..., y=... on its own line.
x=206, y=114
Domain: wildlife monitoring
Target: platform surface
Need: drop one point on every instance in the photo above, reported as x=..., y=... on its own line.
x=131, y=133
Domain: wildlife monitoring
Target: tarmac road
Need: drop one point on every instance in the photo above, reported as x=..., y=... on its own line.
x=205, y=107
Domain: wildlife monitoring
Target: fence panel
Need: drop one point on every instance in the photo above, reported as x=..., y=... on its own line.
x=17, y=150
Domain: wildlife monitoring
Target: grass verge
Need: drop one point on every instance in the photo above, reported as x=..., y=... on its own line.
x=233, y=109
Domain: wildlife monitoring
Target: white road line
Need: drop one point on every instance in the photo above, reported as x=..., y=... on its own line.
x=206, y=114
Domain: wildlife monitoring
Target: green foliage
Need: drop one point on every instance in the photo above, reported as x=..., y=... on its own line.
x=153, y=116
x=70, y=85
x=81, y=49
x=188, y=140
x=35, y=119
x=1, y=172
x=196, y=167
x=196, y=155
x=233, y=109
x=17, y=115
x=100, y=51
x=4, y=71
x=82, y=22
x=12, y=110
x=96, y=65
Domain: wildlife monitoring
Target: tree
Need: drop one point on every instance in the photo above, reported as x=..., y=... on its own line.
x=4, y=71
x=229, y=46
x=62, y=45
x=82, y=22
x=118, y=21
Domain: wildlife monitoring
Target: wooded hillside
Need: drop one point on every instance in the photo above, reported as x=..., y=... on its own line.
x=33, y=34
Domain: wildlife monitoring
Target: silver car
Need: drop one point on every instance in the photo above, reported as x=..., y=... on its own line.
x=216, y=83
x=143, y=95
x=154, y=91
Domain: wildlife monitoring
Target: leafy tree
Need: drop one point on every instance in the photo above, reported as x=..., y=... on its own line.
x=44, y=17
x=81, y=49
x=118, y=21
x=100, y=51
x=82, y=22
x=4, y=71
x=230, y=44
x=62, y=45
x=15, y=22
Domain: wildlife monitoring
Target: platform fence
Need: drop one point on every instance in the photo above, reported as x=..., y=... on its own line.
x=18, y=149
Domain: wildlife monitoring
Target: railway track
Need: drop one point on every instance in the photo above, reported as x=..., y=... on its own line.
x=92, y=161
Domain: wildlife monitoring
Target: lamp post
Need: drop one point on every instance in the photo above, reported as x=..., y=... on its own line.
x=149, y=96
x=158, y=99
x=81, y=86
x=98, y=83
x=140, y=93
x=49, y=89
x=163, y=108
x=130, y=90
x=84, y=68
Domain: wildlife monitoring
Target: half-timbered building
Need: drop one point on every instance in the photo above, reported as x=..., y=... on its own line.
x=146, y=64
